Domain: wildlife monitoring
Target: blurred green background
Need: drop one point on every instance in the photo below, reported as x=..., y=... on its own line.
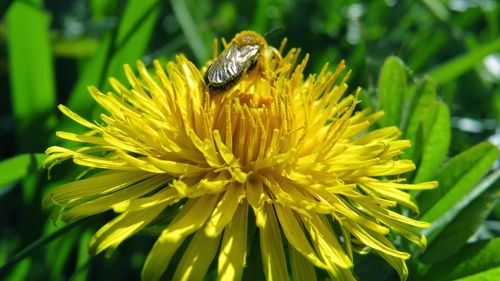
x=50, y=51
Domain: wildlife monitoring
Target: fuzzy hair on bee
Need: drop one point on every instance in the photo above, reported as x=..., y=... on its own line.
x=240, y=57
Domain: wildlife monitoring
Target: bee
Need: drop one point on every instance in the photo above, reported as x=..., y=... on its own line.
x=239, y=58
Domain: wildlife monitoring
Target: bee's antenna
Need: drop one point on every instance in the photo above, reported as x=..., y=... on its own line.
x=274, y=30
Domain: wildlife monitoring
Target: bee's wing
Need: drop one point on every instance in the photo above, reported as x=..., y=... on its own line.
x=231, y=63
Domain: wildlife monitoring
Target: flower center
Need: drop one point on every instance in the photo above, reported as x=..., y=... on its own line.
x=251, y=120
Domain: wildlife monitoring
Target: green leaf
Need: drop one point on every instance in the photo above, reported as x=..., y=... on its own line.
x=190, y=29
x=83, y=260
x=436, y=137
x=488, y=275
x=120, y=46
x=461, y=64
x=470, y=200
x=464, y=224
x=476, y=258
x=31, y=74
x=438, y=9
x=456, y=178
x=4, y=6
x=20, y=272
x=101, y=8
x=392, y=88
x=15, y=168
x=424, y=97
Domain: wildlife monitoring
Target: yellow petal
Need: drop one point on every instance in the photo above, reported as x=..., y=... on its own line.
x=273, y=256
x=138, y=162
x=101, y=162
x=224, y=211
x=302, y=269
x=197, y=258
x=122, y=227
x=398, y=264
x=87, y=138
x=390, y=168
x=256, y=199
x=293, y=197
x=375, y=240
x=387, y=133
x=206, y=148
x=159, y=258
x=326, y=243
x=77, y=118
x=233, y=249
x=394, y=194
x=229, y=159
x=106, y=202
x=178, y=169
x=167, y=195
x=374, y=183
x=193, y=215
x=210, y=184
x=100, y=184
x=295, y=235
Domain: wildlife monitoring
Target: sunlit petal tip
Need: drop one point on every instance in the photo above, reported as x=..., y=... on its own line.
x=429, y=185
x=140, y=65
x=212, y=231
x=121, y=207
x=93, y=90
x=423, y=242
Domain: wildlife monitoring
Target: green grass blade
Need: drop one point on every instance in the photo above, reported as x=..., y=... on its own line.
x=100, y=8
x=83, y=260
x=35, y=246
x=59, y=252
x=438, y=9
x=20, y=272
x=17, y=167
x=456, y=67
x=31, y=73
x=120, y=46
x=191, y=31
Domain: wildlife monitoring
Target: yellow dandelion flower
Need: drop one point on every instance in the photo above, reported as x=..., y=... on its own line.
x=286, y=153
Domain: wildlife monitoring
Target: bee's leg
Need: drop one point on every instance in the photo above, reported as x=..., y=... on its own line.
x=216, y=49
x=269, y=62
x=276, y=55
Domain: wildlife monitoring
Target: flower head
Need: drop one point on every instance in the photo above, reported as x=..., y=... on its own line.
x=279, y=153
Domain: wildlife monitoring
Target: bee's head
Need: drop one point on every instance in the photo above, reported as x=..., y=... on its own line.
x=246, y=38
